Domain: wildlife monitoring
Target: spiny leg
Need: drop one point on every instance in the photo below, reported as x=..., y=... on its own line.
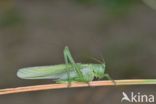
x=108, y=77
x=67, y=70
x=69, y=59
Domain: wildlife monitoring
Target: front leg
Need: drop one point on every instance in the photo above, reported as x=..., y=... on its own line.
x=108, y=77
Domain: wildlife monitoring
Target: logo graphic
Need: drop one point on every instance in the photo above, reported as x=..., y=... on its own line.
x=125, y=97
x=138, y=97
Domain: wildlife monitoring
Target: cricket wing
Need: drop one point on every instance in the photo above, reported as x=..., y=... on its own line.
x=43, y=72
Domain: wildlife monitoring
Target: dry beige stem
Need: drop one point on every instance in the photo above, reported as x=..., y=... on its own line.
x=73, y=85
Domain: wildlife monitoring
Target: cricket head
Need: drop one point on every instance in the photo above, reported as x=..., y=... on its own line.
x=98, y=70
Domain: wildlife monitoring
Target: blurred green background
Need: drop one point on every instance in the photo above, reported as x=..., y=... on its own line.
x=34, y=33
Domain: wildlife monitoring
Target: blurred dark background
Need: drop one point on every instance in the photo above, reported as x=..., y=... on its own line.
x=35, y=32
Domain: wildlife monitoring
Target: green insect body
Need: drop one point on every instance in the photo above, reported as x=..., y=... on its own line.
x=69, y=72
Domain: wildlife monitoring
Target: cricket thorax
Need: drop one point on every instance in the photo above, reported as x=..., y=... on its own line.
x=98, y=70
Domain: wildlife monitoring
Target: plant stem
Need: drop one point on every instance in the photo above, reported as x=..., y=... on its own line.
x=79, y=84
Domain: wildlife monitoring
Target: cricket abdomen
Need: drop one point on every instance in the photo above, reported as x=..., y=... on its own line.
x=87, y=72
